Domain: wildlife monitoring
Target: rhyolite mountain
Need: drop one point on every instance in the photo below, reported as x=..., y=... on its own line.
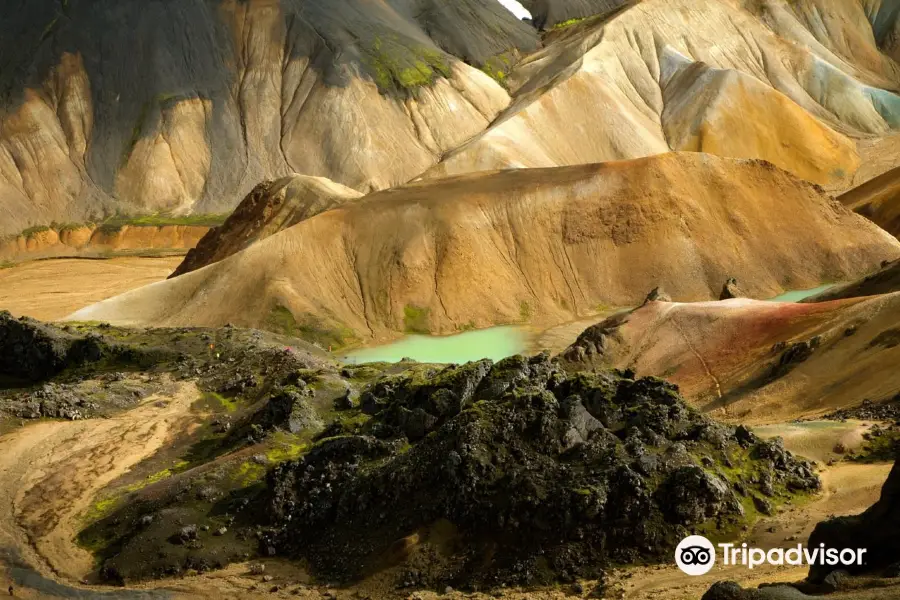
x=538, y=246
x=184, y=107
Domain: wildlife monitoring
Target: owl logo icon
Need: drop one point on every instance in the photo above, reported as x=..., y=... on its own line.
x=695, y=555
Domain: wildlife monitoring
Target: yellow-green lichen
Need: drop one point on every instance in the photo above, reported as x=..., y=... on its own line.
x=568, y=23
x=415, y=319
x=396, y=66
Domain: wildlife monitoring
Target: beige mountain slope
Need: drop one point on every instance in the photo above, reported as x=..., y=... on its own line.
x=107, y=111
x=757, y=362
x=856, y=36
x=184, y=107
x=878, y=199
x=538, y=245
x=269, y=208
x=745, y=80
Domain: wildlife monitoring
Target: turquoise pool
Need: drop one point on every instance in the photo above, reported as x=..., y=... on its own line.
x=494, y=343
x=798, y=295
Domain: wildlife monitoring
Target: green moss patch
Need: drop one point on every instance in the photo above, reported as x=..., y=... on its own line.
x=310, y=328
x=882, y=445
x=399, y=67
x=415, y=319
x=524, y=311
x=33, y=231
x=569, y=23
x=116, y=223
x=500, y=65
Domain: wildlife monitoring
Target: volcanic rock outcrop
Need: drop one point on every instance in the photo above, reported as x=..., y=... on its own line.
x=269, y=208
x=550, y=476
x=730, y=290
x=537, y=245
x=33, y=351
x=877, y=530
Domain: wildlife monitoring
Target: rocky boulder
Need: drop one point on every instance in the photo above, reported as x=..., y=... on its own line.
x=731, y=290
x=729, y=590
x=657, y=295
x=289, y=409
x=877, y=530
x=33, y=351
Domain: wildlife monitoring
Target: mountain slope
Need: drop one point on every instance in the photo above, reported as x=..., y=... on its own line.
x=878, y=199
x=538, y=245
x=884, y=281
x=123, y=107
x=269, y=208
x=184, y=107
x=757, y=362
x=680, y=74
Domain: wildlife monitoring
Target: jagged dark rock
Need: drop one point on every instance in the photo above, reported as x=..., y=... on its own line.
x=557, y=474
x=869, y=410
x=589, y=350
x=289, y=409
x=731, y=290
x=657, y=294
x=53, y=401
x=729, y=590
x=726, y=590
x=793, y=355
x=877, y=530
x=33, y=351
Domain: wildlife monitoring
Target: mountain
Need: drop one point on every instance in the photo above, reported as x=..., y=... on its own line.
x=127, y=108
x=746, y=80
x=269, y=208
x=113, y=106
x=536, y=245
x=878, y=199
x=547, y=14
x=756, y=362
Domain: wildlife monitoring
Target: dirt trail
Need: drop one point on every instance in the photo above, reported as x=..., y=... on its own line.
x=50, y=473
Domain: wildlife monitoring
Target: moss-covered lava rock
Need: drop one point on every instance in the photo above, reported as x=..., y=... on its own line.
x=541, y=476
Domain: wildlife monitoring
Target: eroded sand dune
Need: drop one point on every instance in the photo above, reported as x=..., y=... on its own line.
x=536, y=245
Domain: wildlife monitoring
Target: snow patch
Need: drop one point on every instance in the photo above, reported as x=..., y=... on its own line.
x=515, y=8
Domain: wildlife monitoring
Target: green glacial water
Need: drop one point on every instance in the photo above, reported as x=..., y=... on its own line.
x=494, y=343
x=798, y=295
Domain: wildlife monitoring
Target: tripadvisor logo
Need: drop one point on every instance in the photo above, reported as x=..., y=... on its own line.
x=696, y=555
